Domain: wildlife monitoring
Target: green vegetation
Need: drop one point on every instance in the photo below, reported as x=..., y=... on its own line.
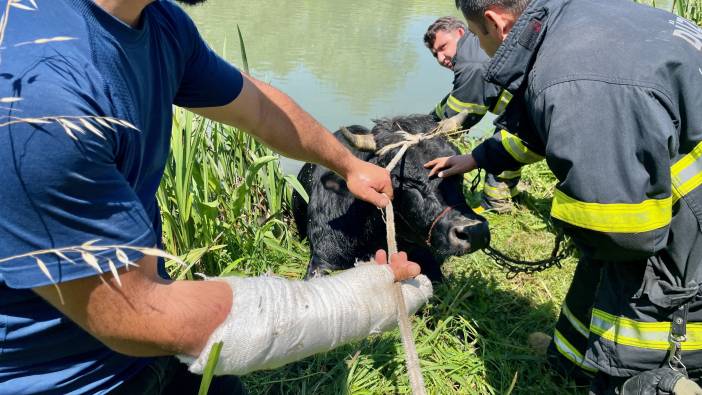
x=690, y=9
x=224, y=203
x=225, y=200
x=226, y=210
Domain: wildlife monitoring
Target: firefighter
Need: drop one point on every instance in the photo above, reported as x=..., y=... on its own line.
x=609, y=92
x=458, y=50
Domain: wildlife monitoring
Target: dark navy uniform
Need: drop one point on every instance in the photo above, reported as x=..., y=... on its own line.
x=610, y=92
x=473, y=94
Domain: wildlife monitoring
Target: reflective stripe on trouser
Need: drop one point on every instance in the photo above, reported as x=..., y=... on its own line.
x=497, y=188
x=566, y=353
x=629, y=330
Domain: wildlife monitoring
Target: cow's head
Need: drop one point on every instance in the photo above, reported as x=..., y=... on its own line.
x=428, y=211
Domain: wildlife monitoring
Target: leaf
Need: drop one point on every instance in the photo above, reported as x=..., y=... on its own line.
x=22, y=6
x=69, y=133
x=32, y=120
x=159, y=253
x=113, y=269
x=244, y=58
x=44, y=269
x=40, y=41
x=92, y=128
x=103, y=123
x=91, y=260
x=293, y=181
x=210, y=368
x=194, y=256
x=10, y=99
x=122, y=257
x=71, y=125
x=89, y=246
x=46, y=272
x=127, y=124
x=63, y=256
x=120, y=122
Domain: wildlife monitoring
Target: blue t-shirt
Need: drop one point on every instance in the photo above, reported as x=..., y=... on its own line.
x=59, y=191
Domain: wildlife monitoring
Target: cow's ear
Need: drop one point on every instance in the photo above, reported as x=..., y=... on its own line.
x=333, y=182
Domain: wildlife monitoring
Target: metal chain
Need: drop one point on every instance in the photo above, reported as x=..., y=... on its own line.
x=515, y=266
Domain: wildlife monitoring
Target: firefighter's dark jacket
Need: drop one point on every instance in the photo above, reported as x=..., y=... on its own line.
x=610, y=93
x=470, y=91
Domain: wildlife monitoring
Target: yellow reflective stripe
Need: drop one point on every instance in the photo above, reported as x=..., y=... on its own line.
x=440, y=110
x=649, y=335
x=510, y=174
x=687, y=173
x=614, y=217
x=502, y=102
x=458, y=106
x=579, y=326
x=567, y=350
x=517, y=149
x=500, y=193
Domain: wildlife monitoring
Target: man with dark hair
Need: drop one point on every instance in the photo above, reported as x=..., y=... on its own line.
x=75, y=173
x=608, y=91
x=458, y=50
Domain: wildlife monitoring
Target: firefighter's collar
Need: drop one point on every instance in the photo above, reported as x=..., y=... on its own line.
x=514, y=57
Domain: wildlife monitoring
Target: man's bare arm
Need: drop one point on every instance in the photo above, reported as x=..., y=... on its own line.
x=146, y=316
x=149, y=316
x=275, y=119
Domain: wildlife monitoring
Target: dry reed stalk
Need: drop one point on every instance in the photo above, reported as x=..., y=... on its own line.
x=73, y=123
x=6, y=15
x=46, y=40
x=87, y=252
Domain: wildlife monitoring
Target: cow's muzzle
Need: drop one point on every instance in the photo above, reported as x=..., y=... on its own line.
x=469, y=235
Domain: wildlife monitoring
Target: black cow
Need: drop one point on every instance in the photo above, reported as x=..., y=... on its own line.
x=432, y=218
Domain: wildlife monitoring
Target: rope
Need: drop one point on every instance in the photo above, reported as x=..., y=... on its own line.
x=512, y=265
x=411, y=356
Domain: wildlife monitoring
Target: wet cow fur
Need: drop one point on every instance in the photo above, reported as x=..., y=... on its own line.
x=342, y=229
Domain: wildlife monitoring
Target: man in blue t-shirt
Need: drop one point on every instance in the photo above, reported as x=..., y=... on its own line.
x=86, y=94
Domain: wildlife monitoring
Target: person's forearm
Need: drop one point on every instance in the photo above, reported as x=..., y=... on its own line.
x=143, y=317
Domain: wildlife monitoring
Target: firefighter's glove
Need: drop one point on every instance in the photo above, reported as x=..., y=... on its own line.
x=274, y=321
x=663, y=381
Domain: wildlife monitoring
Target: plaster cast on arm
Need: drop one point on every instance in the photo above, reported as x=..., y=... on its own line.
x=274, y=321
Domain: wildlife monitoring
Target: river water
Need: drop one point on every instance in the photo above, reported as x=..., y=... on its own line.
x=345, y=62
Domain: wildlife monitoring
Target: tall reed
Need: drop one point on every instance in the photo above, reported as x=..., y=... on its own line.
x=224, y=191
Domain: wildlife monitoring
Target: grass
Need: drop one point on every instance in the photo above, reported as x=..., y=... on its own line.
x=221, y=188
x=225, y=200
